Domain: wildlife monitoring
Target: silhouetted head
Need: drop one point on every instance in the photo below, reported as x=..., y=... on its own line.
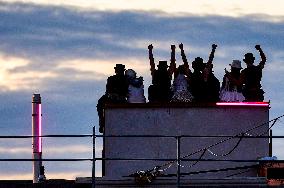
x=119, y=69
x=130, y=73
x=249, y=58
x=198, y=64
x=236, y=66
x=162, y=65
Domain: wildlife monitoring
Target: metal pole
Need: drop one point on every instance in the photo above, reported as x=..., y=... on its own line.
x=178, y=160
x=270, y=143
x=36, y=132
x=94, y=159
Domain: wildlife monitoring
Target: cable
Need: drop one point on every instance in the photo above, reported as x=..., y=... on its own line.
x=228, y=153
x=224, y=140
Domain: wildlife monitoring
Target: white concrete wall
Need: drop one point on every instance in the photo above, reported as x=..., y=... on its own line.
x=147, y=119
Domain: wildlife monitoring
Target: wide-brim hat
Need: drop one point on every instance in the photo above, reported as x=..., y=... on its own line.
x=119, y=67
x=163, y=64
x=236, y=64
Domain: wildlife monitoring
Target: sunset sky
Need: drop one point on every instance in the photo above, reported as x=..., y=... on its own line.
x=66, y=50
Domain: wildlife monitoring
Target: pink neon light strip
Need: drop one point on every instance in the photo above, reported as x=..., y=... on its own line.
x=242, y=104
x=39, y=128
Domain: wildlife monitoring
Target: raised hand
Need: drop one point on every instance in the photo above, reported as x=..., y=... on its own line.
x=257, y=47
x=214, y=46
x=173, y=47
x=181, y=46
x=150, y=47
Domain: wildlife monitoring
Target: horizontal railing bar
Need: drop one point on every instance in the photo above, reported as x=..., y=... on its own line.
x=147, y=159
x=136, y=136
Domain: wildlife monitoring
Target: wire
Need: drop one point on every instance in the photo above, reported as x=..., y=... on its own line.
x=228, y=153
x=225, y=140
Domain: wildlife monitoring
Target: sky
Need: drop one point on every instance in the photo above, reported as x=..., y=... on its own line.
x=66, y=50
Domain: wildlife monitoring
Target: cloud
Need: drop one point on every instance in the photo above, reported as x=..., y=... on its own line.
x=201, y=7
x=67, y=54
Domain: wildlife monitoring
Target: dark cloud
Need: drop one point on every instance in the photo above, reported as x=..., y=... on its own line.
x=52, y=33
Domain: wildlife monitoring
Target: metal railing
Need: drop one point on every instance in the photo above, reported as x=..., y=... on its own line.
x=176, y=160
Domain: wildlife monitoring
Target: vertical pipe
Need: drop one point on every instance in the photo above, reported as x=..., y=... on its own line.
x=36, y=132
x=94, y=159
x=270, y=143
x=178, y=160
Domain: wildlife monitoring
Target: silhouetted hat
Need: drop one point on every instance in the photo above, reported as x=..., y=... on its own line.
x=248, y=57
x=163, y=64
x=236, y=64
x=119, y=66
x=198, y=60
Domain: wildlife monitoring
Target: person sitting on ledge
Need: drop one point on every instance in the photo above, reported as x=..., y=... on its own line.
x=160, y=90
x=136, y=87
x=116, y=92
x=251, y=77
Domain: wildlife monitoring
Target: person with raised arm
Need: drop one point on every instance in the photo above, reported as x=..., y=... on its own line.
x=204, y=85
x=212, y=84
x=180, y=83
x=251, y=77
x=160, y=90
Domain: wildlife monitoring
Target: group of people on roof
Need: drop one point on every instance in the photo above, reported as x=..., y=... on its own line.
x=198, y=85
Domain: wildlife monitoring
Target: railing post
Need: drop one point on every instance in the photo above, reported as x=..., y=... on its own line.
x=94, y=159
x=270, y=143
x=178, y=160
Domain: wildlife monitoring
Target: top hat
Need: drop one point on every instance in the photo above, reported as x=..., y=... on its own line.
x=163, y=64
x=119, y=66
x=248, y=57
x=198, y=60
x=236, y=64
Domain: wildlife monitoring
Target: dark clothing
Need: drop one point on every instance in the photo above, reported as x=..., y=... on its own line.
x=251, y=77
x=197, y=86
x=212, y=89
x=101, y=112
x=204, y=91
x=117, y=88
x=160, y=90
x=116, y=92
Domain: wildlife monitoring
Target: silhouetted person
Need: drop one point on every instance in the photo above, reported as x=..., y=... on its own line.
x=212, y=84
x=160, y=90
x=251, y=76
x=180, y=85
x=116, y=92
x=135, y=88
x=231, y=90
x=204, y=85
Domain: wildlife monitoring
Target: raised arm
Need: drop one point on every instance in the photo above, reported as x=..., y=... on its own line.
x=184, y=59
x=172, y=67
x=151, y=58
x=262, y=56
x=211, y=56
